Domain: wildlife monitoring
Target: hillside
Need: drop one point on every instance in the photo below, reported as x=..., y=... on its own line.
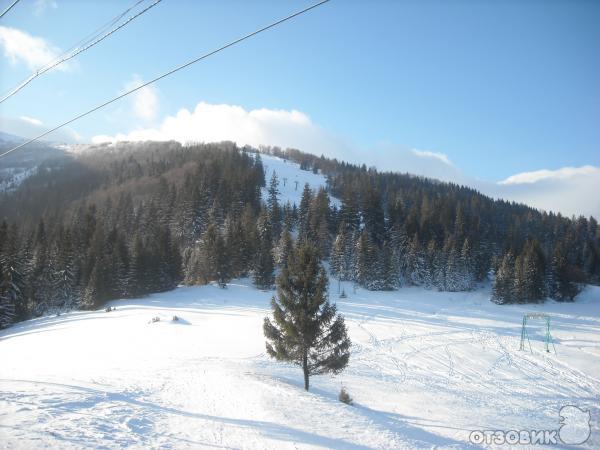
x=124, y=220
x=18, y=166
x=426, y=369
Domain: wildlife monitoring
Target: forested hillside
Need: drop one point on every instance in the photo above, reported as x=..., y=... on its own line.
x=127, y=220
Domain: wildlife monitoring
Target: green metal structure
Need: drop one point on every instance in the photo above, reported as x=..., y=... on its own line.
x=525, y=335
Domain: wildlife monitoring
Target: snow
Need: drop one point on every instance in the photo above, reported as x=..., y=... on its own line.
x=290, y=171
x=11, y=178
x=426, y=369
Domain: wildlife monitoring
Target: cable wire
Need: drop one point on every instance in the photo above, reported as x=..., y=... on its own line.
x=9, y=8
x=164, y=75
x=80, y=47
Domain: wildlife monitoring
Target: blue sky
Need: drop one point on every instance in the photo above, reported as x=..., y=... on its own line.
x=497, y=88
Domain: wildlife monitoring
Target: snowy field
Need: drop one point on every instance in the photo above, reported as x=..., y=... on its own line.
x=291, y=180
x=426, y=369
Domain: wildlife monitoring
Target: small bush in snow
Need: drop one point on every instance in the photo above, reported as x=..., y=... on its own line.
x=344, y=397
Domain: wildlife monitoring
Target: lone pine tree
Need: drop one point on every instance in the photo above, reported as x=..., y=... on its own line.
x=306, y=328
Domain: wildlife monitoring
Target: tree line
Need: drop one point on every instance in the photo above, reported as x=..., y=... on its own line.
x=131, y=219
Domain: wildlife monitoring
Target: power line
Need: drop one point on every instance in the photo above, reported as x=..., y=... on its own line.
x=164, y=75
x=9, y=8
x=94, y=34
x=86, y=40
x=82, y=46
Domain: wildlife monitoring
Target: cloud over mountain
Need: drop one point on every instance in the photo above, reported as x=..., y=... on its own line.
x=567, y=190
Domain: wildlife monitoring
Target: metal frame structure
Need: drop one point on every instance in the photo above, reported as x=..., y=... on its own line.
x=525, y=335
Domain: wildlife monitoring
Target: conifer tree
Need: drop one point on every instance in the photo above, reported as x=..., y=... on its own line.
x=306, y=329
x=415, y=267
x=284, y=248
x=273, y=206
x=534, y=271
x=264, y=264
x=467, y=264
x=349, y=212
x=222, y=262
x=502, y=289
x=519, y=281
x=304, y=214
x=453, y=271
x=389, y=278
x=399, y=245
x=369, y=263
x=319, y=223
x=338, y=254
x=7, y=305
x=562, y=287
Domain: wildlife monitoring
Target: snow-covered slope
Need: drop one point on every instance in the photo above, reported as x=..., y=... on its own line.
x=291, y=180
x=426, y=369
x=18, y=166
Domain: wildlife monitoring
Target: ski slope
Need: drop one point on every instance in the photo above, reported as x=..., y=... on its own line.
x=292, y=180
x=426, y=369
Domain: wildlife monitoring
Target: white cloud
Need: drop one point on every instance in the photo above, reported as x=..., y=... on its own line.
x=427, y=154
x=40, y=6
x=31, y=120
x=212, y=122
x=539, y=175
x=21, y=47
x=567, y=190
x=144, y=101
x=282, y=128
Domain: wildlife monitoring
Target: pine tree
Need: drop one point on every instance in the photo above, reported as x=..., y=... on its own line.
x=304, y=215
x=416, y=264
x=97, y=290
x=338, y=253
x=399, y=245
x=273, y=206
x=222, y=262
x=64, y=278
x=7, y=305
x=369, y=264
x=373, y=216
x=349, y=212
x=42, y=270
x=439, y=269
x=13, y=261
x=306, y=329
x=454, y=271
x=137, y=268
x=284, y=248
x=389, y=278
x=534, y=267
x=343, y=254
x=264, y=265
x=502, y=289
x=519, y=281
x=319, y=223
x=363, y=266
x=209, y=260
x=467, y=266
x=562, y=287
